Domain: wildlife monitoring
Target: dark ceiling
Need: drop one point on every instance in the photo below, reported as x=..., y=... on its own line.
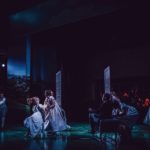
x=8, y=7
x=54, y=13
x=32, y=16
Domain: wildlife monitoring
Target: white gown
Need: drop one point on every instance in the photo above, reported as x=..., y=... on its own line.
x=147, y=117
x=35, y=122
x=55, y=120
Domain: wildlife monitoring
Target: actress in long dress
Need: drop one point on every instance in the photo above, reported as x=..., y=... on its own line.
x=55, y=120
x=35, y=122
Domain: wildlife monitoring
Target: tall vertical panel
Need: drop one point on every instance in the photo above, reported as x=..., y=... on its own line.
x=107, y=80
x=58, y=87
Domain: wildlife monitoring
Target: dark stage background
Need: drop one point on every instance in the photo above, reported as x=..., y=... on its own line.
x=81, y=50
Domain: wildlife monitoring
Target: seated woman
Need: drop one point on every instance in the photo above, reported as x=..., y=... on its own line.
x=127, y=116
x=55, y=120
x=35, y=122
x=113, y=108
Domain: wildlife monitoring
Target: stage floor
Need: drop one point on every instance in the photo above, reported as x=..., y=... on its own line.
x=75, y=139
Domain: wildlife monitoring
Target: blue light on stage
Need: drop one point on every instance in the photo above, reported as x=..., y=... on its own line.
x=16, y=68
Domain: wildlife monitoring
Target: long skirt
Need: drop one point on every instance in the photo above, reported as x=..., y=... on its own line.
x=55, y=120
x=35, y=124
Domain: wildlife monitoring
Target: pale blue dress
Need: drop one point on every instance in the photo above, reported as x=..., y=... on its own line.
x=35, y=122
x=55, y=120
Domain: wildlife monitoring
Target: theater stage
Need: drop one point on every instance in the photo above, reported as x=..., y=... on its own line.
x=77, y=138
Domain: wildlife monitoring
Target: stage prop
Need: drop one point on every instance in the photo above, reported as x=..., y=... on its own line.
x=58, y=87
x=107, y=80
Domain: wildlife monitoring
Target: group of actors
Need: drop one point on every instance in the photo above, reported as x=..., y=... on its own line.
x=49, y=117
x=114, y=110
x=46, y=118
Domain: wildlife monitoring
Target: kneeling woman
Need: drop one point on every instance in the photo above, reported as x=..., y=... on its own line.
x=35, y=122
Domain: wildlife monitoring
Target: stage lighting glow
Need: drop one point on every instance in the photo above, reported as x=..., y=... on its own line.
x=3, y=65
x=16, y=68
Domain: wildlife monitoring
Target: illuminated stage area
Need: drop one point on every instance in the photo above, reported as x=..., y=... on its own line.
x=77, y=138
x=75, y=62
